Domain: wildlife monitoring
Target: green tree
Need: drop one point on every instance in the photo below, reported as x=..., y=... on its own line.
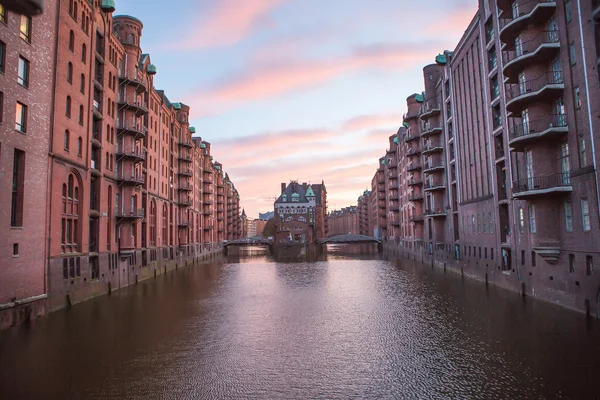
x=269, y=229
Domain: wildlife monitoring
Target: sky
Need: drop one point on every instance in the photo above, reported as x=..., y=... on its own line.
x=306, y=90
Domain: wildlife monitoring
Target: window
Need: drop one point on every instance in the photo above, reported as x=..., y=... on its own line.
x=585, y=215
x=25, y=29
x=80, y=115
x=572, y=53
x=571, y=263
x=589, y=265
x=1, y=106
x=18, y=183
x=82, y=83
x=21, y=118
x=568, y=217
x=2, y=14
x=70, y=73
x=15, y=249
x=521, y=220
x=2, y=56
x=79, y=146
x=68, y=107
x=522, y=257
x=568, y=11
x=71, y=7
x=67, y=140
x=532, y=226
x=72, y=41
x=83, y=53
x=70, y=216
x=533, y=261
x=23, y=72
x=577, y=96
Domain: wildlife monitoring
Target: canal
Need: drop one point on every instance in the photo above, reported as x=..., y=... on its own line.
x=341, y=326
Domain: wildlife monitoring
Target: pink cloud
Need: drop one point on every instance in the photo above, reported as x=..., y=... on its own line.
x=370, y=121
x=228, y=22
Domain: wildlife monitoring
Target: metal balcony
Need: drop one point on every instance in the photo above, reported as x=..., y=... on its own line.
x=522, y=14
x=433, y=166
x=432, y=186
x=134, y=81
x=410, y=138
x=136, y=106
x=430, y=109
x=186, y=143
x=550, y=127
x=545, y=185
x=413, y=167
x=432, y=148
x=133, y=153
x=185, y=187
x=436, y=213
x=185, y=157
x=134, y=130
x=184, y=172
x=410, y=115
x=185, y=202
x=431, y=131
x=132, y=213
x=414, y=182
x=184, y=224
x=417, y=218
x=413, y=151
x=542, y=48
x=544, y=88
x=415, y=197
x=133, y=179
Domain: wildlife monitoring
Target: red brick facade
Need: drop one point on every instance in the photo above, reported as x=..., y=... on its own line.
x=117, y=188
x=343, y=221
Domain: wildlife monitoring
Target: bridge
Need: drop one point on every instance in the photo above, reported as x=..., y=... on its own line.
x=348, y=239
x=248, y=242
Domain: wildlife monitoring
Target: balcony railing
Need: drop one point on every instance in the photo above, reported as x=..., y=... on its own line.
x=129, y=213
x=431, y=147
x=136, y=129
x=138, y=106
x=525, y=11
x=132, y=152
x=543, y=184
x=435, y=212
x=185, y=172
x=534, y=85
x=134, y=80
x=409, y=138
x=434, y=185
x=413, y=166
x=429, y=109
x=410, y=115
x=433, y=165
x=417, y=218
x=529, y=49
x=539, y=127
x=131, y=178
x=415, y=197
x=412, y=182
x=412, y=151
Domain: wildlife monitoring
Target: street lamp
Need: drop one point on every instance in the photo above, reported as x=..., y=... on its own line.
x=25, y=7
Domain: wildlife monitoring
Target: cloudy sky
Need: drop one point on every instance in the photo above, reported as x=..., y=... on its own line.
x=308, y=90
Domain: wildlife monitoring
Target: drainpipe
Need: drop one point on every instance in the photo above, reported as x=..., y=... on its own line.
x=50, y=161
x=587, y=91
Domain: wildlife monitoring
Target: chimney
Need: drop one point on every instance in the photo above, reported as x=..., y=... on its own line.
x=304, y=186
x=283, y=186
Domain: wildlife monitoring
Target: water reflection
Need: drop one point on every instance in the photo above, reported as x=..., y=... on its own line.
x=341, y=326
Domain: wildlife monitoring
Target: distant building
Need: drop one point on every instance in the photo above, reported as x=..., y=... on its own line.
x=301, y=213
x=343, y=221
x=255, y=227
x=266, y=216
x=363, y=214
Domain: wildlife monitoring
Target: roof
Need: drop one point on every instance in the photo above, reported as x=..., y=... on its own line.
x=298, y=191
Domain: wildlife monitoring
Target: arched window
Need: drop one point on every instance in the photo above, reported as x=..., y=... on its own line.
x=67, y=140
x=109, y=219
x=81, y=115
x=71, y=8
x=70, y=217
x=82, y=84
x=83, y=53
x=87, y=24
x=82, y=20
x=72, y=41
x=112, y=135
x=114, y=83
x=111, y=162
x=110, y=80
x=75, y=11
x=107, y=133
x=165, y=226
x=131, y=38
x=106, y=162
x=68, y=107
x=69, y=72
x=79, y=146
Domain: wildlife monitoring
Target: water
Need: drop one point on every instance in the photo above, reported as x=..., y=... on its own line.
x=340, y=327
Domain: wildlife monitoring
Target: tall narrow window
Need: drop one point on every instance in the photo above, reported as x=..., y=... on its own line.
x=68, y=107
x=71, y=7
x=25, y=28
x=72, y=41
x=82, y=83
x=571, y=263
x=521, y=220
x=21, y=118
x=2, y=14
x=79, y=146
x=80, y=115
x=589, y=265
x=568, y=216
x=585, y=215
x=568, y=11
x=23, y=72
x=2, y=56
x=577, y=97
x=83, y=53
x=18, y=183
x=572, y=53
x=70, y=73
x=67, y=140
x=582, y=157
x=532, y=226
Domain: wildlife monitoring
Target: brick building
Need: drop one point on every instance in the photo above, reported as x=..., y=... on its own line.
x=125, y=189
x=497, y=159
x=343, y=221
x=362, y=209
x=301, y=213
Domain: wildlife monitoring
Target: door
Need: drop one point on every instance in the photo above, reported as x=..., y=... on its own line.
x=561, y=119
x=529, y=170
x=565, y=166
x=525, y=119
x=519, y=46
x=556, y=71
x=515, y=9
x=553, y=30
x=522, y=83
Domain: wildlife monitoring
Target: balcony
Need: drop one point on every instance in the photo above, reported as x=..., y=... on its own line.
x=542, y=185
x=413, y=151
x=184, y=224
x=415, y=197
x=433, y=186
x=436, y=213
x=381, y=188
x=417, y=218
x=432, y=148
x=185, y=187
x=410, y=138
x=545, y=88
x=132, y=179
x=185, y=202
x=183, y=156
x=413, y=167
x=184, y=172
x=138, y=107
x=97, y=109
x=132, y=213
x=596, y=10
x=528, y=12
x=134, y=81
x=433, y=166
x=132, y=153
x=414, y=182
x=550, y=127
x=135, y=130
x=186, y=143
x=207, y=211
x=410, y=115
x=430, y=109
x=95, y=168
x=540, y=49
x=431, y=131
x=208, y=227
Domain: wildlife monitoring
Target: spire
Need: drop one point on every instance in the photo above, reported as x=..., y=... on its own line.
x=309, y=192
x=243, y=213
